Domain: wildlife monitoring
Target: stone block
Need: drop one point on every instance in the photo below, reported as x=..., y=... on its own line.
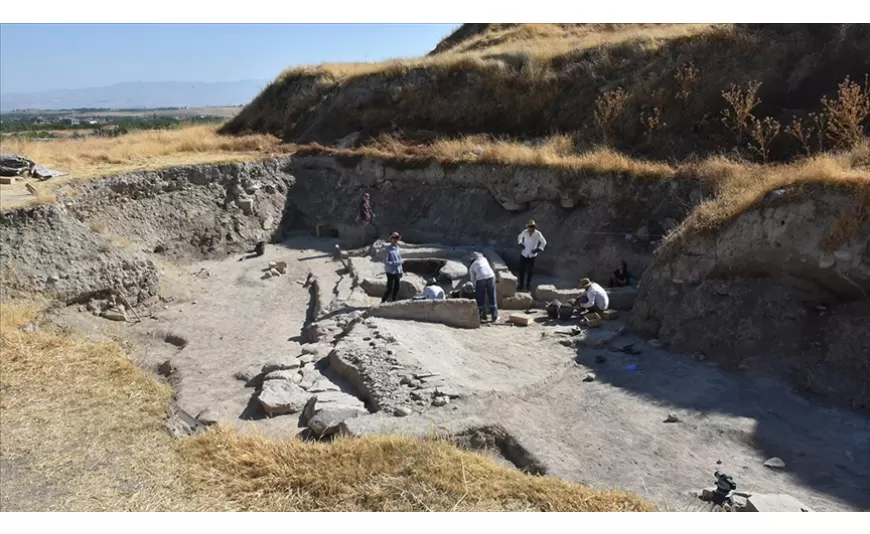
x=520, y=319
x=774, y=503
x=505, y=284
x=459, y=313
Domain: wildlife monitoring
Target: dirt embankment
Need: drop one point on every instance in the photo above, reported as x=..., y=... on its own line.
x=590, y=222
x=96, y=241
x=785, y=287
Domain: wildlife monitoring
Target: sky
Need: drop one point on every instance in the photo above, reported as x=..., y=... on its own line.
x=40, y=57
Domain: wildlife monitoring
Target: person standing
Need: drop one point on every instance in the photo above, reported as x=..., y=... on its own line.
x=393, y=268
x=366, y=217
x=531, y=242
x=480, y=274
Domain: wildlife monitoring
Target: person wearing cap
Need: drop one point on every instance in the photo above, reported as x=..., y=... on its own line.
x=466, y=291
x=433, y=291
x=594, y=298
x=531, y=242
x=393, y=268
x=482, y=276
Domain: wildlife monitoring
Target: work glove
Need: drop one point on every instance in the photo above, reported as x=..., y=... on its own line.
x=537, y=251
x=521, y=246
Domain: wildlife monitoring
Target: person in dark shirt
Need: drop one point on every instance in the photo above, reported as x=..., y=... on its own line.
x=621, y=276
x=366, y=217
x=465, y=291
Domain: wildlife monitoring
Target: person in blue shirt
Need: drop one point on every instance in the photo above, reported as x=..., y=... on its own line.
x=393, y=268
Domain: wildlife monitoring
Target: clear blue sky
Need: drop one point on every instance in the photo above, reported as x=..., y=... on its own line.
x=39, y=57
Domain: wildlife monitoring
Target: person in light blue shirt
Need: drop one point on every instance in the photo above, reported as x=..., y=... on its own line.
x=393, y=268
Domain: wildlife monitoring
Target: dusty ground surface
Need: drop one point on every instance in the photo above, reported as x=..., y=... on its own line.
x=609, y=432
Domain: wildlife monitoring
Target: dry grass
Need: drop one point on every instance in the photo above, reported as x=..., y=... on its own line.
x=83, y=430
x=96, y=157
x=557, y=152
x=739, y=186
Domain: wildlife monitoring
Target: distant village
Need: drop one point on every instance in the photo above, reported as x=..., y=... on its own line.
x=47, y=125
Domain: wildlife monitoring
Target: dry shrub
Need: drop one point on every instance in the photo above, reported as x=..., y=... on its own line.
x=651, y=122
x=83, y=429
x=608, y=108
x=762, y=133
x=686, y=77
x=847, y=113
x=803, y=133
x=737, y=116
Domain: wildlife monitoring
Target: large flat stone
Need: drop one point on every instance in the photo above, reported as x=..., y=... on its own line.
x=282, y=397
x=774, y=503
x=326, y=421
x=505, y=284
x=459, y=313
x=548, y=293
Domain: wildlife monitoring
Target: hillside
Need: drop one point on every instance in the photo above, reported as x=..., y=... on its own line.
x=653, y=91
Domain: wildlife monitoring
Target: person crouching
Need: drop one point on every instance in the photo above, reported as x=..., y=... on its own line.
x=482, y=276
x=594, y=298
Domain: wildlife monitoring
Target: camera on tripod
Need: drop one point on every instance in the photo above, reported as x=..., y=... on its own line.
x=724, y=486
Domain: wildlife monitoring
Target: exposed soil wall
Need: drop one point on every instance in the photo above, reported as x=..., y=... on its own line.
x=584, y=218
x=768, y=291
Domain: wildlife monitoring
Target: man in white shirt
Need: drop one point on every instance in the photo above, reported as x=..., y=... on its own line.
x=594, y=297
x=433, y=291
x=480, y=274
x=531, y=242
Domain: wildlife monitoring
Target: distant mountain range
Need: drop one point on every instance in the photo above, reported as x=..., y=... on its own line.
x=138, y=95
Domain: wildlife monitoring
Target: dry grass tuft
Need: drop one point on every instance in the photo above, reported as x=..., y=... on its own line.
x=83, y=430
x=383, y=473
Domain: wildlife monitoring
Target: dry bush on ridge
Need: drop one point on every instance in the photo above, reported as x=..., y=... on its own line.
x=738, y=115
x=762, y=133
x=847, y=113
x=608, y=108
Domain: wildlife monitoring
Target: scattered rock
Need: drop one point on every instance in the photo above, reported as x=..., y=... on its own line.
x=415, y=383
x=567, y=342
x=655, y=343
x=419, y=395
x=305, y=359
x=402, y=411
x=406, y=380
x=322, y=385
x=440, y=401
x=274, y=273
x=267, y=275
x=281, y=267
x=280, y=365
x=282, y=397
x=207, y=417
x=30, y=328
x=250, y=373
x=590, y=377
x=843, y=256
x=246, y=205
x=166, y=368
x=310, y=350
x=326, y=420
x=284, y=374
x=701, y=356
x=272, y=264
x=309, y=377
x=114, y=315
x=672, y=418
x=774, y=463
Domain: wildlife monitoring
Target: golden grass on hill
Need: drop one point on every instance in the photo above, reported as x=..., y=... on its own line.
x=95, y=157
x=737, y=186
x=83, y=430
x=100, y=155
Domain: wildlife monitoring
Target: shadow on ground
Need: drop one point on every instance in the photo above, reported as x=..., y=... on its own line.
x=828, y=449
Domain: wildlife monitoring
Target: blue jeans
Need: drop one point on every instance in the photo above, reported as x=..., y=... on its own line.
x=481, y=289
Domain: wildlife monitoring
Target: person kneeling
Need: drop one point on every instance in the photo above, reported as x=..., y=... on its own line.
x=594, y=298
x=432, y=291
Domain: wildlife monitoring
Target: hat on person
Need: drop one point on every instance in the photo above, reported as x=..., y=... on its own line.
x=395, y=235
x=585, y=283
x=531, y=223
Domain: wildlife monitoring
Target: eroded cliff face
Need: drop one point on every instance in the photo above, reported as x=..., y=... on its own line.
x=772, y=290
x=100, y=239
x=590, y=222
